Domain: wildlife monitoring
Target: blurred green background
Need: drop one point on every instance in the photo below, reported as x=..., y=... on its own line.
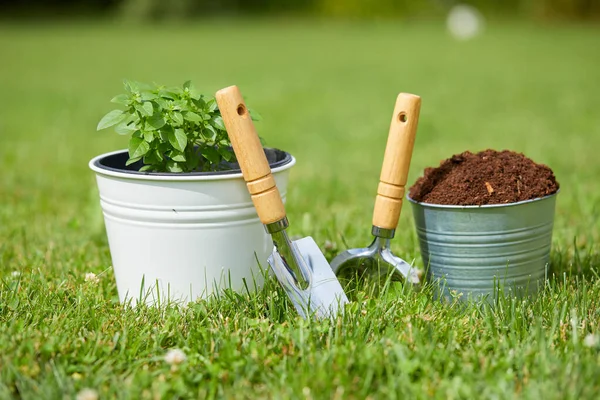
x=182, y=9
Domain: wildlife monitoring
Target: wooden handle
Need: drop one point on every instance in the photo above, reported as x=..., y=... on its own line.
x=396, y=161
x=250, y=155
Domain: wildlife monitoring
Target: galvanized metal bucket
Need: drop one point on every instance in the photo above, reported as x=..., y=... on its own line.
x=473, y=251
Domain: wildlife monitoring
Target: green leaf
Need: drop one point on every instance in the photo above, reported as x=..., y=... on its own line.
x=164, y=147
x=158, y=155
x=167, y=94
x=173, y=166
x=142, y=110
x=180, y=105
x=131, y=86
x=147, y=96
x=187, y=84
x=110, y=119
x=148, y=136
x=178, y=139
x=167, y=128
x=135, y=87
x=212, y=105
x=193, y=159
x=217, y=122
x=195, y=96
x=199, y=102
x=165, y=131
x=161, y=103
x=138, y=147
x=177, y=156
x=192, y=116
x=177, y=117
x=120, y=99
x=176, y=90
x=156, y=121
x=225, y=152
x=211, y=154
x=209, y=133
x=150, y=159
x=148, y=107
x=132, y=160
x=125, y=128
x=146, y=168
x=133, y=117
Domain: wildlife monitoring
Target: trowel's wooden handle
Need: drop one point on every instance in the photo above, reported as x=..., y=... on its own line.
x=396, y=161
x=250, y=155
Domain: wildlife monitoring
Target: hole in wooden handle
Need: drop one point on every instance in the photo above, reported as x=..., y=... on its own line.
x=402, y=117
x=241, y=110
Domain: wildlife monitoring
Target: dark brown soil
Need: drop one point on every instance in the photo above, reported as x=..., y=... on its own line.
x=488, y=177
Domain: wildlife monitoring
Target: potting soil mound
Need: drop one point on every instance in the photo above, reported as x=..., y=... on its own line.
x=488, y=177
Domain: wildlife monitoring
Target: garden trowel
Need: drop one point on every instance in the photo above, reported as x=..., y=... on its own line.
x=299, y=265
x=377, y=259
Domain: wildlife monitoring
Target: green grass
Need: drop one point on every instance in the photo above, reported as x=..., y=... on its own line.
x=326, y=92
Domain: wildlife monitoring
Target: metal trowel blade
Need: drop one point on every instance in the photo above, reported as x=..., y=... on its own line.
x=324, y=297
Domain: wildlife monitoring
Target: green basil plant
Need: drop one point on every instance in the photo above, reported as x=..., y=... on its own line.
x=172, y=129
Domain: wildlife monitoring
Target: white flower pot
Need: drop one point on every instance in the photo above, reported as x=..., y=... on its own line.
x=180, y=237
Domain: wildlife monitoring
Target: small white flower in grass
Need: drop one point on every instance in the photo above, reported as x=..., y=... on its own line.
x=91, y=277
x=175, y=356
x=15, y=274
x=591, y=340
x=87, y=394
x=329, y=245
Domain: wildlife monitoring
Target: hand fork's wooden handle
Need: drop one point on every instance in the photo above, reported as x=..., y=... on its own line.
x=250, y=155
x=396, y=161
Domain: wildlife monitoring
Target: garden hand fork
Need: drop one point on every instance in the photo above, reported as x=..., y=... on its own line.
x=378, y=259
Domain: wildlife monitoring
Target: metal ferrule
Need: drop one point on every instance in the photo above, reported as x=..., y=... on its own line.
x=277, y=226
x=382, y=232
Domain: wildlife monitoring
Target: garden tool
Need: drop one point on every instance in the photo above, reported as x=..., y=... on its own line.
x=299, y=265
x=378, y=259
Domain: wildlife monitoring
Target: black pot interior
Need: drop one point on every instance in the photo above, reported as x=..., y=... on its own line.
x=116, y=162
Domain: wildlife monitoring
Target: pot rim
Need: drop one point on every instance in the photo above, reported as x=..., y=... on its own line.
x=94, y=165
x=456, y=207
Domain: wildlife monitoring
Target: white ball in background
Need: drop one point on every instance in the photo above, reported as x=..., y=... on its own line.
x=464, y=22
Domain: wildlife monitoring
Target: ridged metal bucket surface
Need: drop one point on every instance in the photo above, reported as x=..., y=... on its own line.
x=474, y=250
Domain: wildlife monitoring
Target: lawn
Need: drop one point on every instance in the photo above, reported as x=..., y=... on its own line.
x=326, y=93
